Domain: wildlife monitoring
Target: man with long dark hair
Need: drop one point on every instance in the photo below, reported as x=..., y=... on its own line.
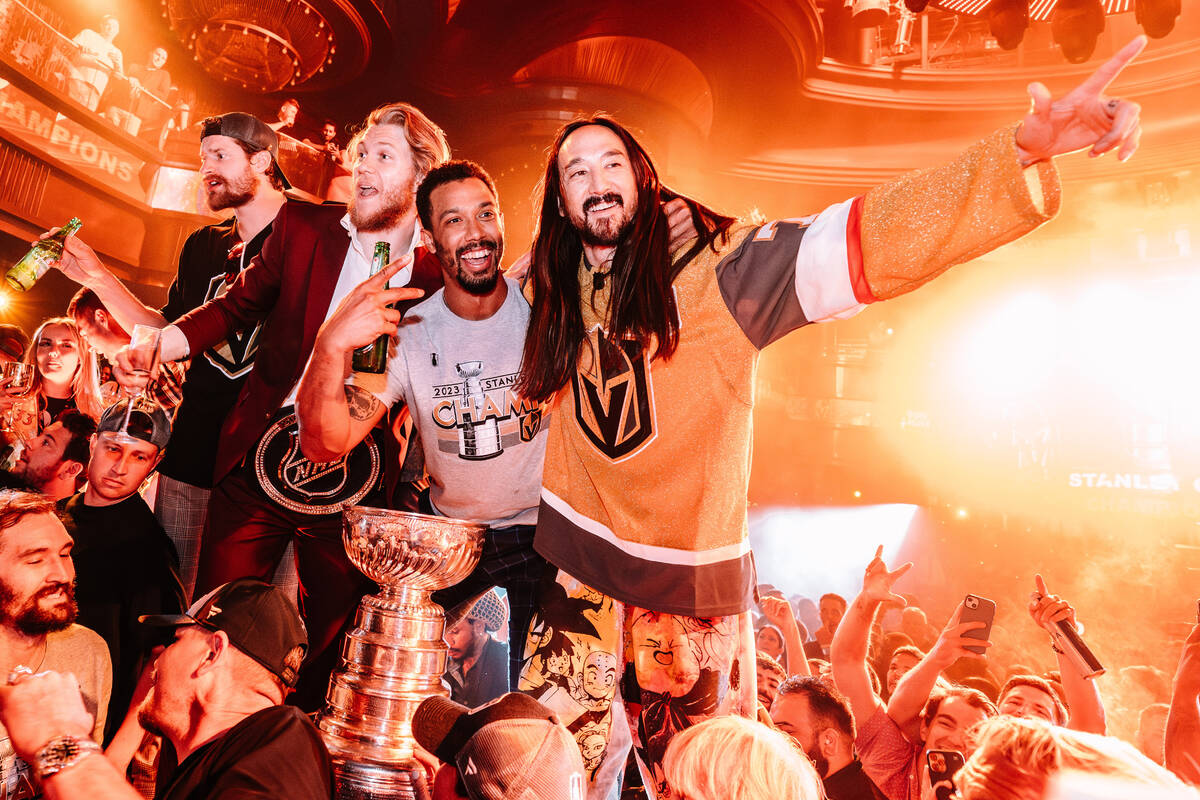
x=648, y=359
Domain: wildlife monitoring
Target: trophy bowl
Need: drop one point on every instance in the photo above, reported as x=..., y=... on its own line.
x=417, y=550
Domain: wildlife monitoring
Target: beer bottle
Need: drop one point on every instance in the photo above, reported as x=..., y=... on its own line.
x=373, y=357
x=26, y=272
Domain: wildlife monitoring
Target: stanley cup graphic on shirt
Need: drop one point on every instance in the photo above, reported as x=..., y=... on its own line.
x=478, y=437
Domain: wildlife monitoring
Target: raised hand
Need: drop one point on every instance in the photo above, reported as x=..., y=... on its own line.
x=39, y=707
x=128, y=372
x=952, y=643
x=779, y=613
x=78, y=261
x=364, y=314
x=878, y=581
x=1046, y=608
x=1084, y=117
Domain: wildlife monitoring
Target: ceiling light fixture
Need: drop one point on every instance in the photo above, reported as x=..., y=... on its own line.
x=1157, y=17
x=1007, y=21
x=1076, y=26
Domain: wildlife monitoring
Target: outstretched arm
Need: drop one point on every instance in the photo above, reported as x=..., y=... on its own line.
x=779, y=613
x=333, y=416
x=1183, y=719
x=1084, y=706
x=913, y=690
x=848, y=651
x=81, y=264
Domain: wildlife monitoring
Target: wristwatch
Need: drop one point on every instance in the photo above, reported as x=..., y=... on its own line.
x=62, y=752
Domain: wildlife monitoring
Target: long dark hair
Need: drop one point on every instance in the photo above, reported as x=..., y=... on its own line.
x=641, y=306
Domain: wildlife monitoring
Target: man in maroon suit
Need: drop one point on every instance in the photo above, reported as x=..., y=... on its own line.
x=267, y=494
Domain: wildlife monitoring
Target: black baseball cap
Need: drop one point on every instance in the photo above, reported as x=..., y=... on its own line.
x=249, y=129
x=257, y=617
x=150, y=423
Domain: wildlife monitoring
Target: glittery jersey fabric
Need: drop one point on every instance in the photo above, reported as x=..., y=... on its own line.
x=648, y=461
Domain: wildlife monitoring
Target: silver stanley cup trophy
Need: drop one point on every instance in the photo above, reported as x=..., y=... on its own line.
x=394, y=657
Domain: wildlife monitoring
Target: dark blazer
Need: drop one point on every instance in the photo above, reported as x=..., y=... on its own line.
x=288, y=287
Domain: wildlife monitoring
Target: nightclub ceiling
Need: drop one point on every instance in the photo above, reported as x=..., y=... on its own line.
x=796, y=92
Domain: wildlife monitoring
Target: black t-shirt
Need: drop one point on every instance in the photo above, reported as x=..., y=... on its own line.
x=125, y=566
x=851, y=783
x=51, y=407
x=216, y=375
x=274, y=753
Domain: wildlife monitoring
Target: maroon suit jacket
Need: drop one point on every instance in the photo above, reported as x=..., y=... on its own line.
x=288, y=287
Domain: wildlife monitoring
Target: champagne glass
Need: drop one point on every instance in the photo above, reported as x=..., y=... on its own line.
x=16, y=379
x=144, y=343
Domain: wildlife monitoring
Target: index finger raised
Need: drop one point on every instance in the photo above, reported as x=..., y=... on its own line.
x=380, y=279
x=1109, y=70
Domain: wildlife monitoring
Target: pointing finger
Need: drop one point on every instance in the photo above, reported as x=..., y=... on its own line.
x=380, y=279
x=1040, y=583
x=879, y=552
x=397, y=295
x=1101, y=78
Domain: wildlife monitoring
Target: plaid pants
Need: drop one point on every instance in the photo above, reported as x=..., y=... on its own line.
x=181, y=509
x=508, y=561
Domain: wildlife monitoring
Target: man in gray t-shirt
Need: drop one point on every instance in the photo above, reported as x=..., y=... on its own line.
x=37, y=615
x=454, y=360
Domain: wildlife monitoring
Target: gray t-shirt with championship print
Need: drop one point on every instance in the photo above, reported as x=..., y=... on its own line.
x=484, y=446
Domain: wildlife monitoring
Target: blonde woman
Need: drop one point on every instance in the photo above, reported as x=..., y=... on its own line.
x=64, y=373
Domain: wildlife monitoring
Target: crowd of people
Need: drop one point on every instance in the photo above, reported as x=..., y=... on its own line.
x=143, y=99
x=560, y=405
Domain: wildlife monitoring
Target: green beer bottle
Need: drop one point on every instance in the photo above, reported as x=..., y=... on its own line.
x=25, y=273
x=373, y=357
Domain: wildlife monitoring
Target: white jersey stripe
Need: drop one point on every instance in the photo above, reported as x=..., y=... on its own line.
x=823, y=270
x=646, y=552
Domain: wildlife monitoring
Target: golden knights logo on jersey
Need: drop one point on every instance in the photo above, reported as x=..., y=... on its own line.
x=614, y=402
x=234, y=357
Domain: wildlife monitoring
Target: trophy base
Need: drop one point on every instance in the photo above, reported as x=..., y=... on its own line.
x=362, y=780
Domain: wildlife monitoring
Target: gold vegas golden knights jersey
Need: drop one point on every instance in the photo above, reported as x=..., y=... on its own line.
x=648, y=461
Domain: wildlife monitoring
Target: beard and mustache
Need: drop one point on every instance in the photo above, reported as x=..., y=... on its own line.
x=476, y=284
x=394, y=203
x=231, y=192
x=31, y=618
x=606, y=232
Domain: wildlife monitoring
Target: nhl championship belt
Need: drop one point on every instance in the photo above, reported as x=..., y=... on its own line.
x=312, y=487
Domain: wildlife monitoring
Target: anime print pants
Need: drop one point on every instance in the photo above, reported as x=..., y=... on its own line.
x=614, y=673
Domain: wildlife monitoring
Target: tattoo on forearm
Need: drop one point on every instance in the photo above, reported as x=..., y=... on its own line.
x=361, y=403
